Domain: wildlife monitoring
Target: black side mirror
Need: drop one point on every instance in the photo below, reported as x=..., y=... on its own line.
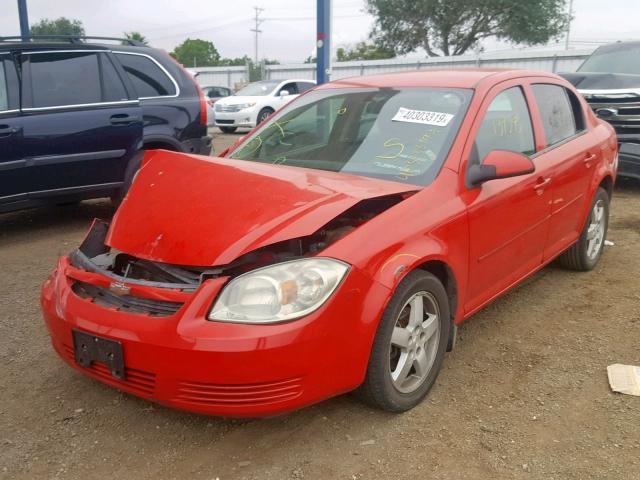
x=500, y=164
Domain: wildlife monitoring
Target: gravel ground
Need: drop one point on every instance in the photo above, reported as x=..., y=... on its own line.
x=523, y=396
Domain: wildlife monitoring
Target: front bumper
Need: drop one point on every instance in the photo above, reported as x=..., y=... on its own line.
x=629, y=160
x=243, y=118
x=226, y=369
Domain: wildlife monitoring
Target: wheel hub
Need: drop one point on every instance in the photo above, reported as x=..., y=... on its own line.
x=414, y=342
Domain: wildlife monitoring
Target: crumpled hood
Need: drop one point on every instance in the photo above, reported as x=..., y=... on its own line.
x=193, y=210
x=602, y=81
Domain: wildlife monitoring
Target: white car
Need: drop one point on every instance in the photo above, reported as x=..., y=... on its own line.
x=254, y=103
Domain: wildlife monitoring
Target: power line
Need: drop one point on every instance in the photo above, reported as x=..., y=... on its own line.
x=211, y=28
x=256, y=30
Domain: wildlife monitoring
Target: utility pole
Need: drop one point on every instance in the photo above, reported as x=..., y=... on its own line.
x=566, y=43
x=257, y=31
x=323, y=41
x=24, y=20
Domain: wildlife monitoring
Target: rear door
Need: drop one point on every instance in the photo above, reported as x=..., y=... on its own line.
x=81, y=124
x=572, y=156
x=508, y=218
x=13, y=178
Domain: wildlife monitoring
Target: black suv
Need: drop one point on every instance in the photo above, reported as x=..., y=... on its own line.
x=75, y=116
x=609, y=80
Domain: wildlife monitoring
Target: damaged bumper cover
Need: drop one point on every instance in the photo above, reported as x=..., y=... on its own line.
x=175, y=356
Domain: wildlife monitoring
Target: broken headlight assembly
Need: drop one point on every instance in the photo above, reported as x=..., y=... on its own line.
x=279, y=292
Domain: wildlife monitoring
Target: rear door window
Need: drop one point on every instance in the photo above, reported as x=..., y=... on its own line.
x=304, y=86
x=147, y=76
x=114, y=90
x=64, y=79
x=505, y=126
x=59, y=79
x=556, y=112
x=4, y=88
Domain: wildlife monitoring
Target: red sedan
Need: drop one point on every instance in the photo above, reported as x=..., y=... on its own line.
x=338, y=245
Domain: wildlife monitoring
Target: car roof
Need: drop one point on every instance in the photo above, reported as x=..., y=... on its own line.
x=65, y=45
x=452, y=78
x=285, y=80
x=612, y=47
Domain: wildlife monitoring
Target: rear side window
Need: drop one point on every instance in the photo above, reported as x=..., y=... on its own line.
x=556, y=112
x=66, y=78
x=147, y=77
x=505, y=126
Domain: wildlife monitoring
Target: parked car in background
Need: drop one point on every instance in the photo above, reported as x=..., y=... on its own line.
x=338, y=246
x=212, y=94
x=610, y=81
x=254, y=103
x=76, y=116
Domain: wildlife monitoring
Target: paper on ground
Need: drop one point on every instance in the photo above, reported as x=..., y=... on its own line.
x=624, y=379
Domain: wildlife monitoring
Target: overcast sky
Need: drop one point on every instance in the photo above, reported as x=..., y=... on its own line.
x=288, y=31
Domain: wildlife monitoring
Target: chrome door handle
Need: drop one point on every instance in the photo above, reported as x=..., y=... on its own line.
x=589, y=158
x=542, y=184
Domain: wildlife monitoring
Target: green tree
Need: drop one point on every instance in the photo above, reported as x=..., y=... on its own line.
x=311, y=59
x=235, y=62
x=137, y=36
x=59, y=26
x=196, y=53
x=451, y=27
x=364, y=51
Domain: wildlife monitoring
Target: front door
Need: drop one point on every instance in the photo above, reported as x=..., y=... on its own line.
x=81, y=125
x=508, y=218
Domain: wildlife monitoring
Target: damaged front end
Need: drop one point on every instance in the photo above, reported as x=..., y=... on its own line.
x=122, y=281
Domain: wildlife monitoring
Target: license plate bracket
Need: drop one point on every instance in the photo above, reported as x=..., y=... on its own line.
x=89, y=348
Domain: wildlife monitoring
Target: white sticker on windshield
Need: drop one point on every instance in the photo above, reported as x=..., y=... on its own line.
x=421, y=116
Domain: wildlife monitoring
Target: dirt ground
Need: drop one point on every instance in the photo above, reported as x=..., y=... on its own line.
x=523, y=396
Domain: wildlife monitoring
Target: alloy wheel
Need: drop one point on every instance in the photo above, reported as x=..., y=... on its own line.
x=595, y=231
x=414, y=342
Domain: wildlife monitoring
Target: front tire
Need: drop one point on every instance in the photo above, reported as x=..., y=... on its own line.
x=228, y=129
x=409, y=345
x=263, y=115
x=586, y=252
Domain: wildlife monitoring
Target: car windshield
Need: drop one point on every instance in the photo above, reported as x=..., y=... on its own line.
x=614, y=59
x=399, y=134
x=258, y=88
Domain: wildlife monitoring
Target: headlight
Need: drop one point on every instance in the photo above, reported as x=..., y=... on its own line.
x=242, y=106
x=279, y=292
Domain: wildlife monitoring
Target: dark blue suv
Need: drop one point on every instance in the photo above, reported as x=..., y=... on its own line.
x=76, y=116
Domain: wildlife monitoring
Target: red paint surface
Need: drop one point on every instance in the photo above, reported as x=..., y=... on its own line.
x=202, y=211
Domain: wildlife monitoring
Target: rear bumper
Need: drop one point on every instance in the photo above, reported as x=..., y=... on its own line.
x=629, y=159
x=237, y=370
x=199, y=146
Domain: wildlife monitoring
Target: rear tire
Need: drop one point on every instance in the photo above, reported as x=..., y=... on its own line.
x=228, y=129
x=129, y=175
x=585, y=253
x=409, y=346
